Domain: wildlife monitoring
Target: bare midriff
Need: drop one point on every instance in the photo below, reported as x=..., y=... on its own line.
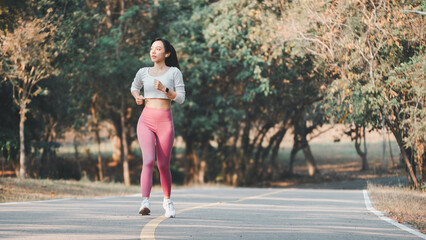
x=158, y=103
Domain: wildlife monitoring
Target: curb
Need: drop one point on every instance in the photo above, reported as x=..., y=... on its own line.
x=386, y=219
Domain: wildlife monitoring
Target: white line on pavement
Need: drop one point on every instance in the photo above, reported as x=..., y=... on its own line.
x=262, y=195
x=148, y=231
x=386, y=219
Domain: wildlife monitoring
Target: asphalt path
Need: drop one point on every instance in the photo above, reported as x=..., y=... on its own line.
x=207, y=213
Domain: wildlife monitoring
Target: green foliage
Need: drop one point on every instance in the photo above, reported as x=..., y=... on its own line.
x=9, y=147
x=10, y=10
x=250, y=68
x=406, y=91
x=130, y=13
x=239, y=33
x=9, y=139
x=369, y=45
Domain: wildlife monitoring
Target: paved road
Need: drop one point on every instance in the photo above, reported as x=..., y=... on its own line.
x=211, y=213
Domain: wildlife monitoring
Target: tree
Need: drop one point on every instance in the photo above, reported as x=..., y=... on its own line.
x=363, y=41
x=241, y=100
x=236, y=37
x=103, y=48
x=405, y=90
x=352, y=106
x=196, y=119
x=118, y=48
x=27, y=54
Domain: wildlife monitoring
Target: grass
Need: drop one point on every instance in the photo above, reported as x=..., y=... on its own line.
x=20, y=190
x=327, y=154
x=401, y=204
x=17, y=190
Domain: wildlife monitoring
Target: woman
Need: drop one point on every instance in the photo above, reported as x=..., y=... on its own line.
x=162, y=84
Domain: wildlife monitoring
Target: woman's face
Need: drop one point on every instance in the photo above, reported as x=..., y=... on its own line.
x=158, y=52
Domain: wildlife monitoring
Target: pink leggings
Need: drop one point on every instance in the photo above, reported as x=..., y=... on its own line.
x=156, y=136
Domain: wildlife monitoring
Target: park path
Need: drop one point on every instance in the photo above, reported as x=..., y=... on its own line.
x=204, y=213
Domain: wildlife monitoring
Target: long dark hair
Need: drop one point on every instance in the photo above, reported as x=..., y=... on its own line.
x=171, y=60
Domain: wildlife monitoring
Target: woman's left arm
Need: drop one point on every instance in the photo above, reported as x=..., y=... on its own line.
x=178, y=95
x=159, y=86
x=179, y=87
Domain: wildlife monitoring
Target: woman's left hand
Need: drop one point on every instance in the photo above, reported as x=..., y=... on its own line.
x=159, y=86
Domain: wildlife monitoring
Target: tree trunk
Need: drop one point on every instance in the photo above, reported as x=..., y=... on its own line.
x=46, y=167
x=191, y=163
x=100, y=169
x=22, y=168
x=244, y=171
x=259, y=166
x=364, y=160
x=276, y=166
x=300, y=133
x=293, y=153
x=396, y=132
x=97, y=135
x=245, y=139
x=77, y=158
x=125, y=153
x=424, y=171
x=275, y=144
x=203, y=164
x=3, y=161
x=390, y=151
x=310, y=160
x=202, y=171
x=410, y=167
x=420, y=155
x=363, y=155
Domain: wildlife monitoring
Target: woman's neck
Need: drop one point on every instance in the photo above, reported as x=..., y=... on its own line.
x=160, y=65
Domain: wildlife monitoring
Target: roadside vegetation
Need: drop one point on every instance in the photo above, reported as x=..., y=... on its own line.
x=403, y=204
x=19, y=190
x=256, y=73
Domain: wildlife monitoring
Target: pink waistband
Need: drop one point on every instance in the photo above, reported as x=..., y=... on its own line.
x=156, y=109
x=157, y=114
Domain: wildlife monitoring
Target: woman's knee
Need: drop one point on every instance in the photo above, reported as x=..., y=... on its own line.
x=149, y=163
x=163, y=166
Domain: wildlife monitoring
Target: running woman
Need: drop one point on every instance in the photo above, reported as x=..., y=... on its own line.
x=162, y=83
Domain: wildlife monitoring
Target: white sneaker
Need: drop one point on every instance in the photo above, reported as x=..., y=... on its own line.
x=170, y=208
x=144, y=209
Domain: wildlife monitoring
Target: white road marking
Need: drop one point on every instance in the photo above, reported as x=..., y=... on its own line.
x=148, y=231
x=262, y=195
x=386, y=219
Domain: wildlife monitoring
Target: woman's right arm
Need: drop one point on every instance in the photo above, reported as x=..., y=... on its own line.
x=135, y=93
x=136, y=88
x=139, y=98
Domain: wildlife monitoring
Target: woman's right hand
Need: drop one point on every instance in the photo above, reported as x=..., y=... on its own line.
x=139, y=99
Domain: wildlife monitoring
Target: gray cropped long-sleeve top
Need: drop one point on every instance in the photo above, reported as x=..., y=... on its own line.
x=171, y=79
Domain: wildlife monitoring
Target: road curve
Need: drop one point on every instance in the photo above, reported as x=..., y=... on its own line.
x=209, y=213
